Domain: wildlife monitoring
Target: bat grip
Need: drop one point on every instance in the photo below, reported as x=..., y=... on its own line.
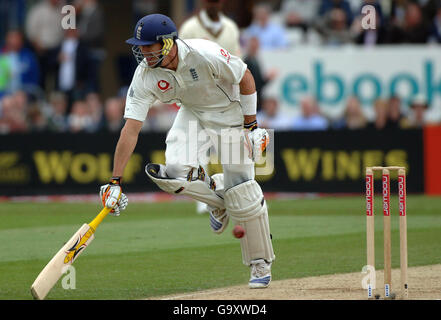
x=99, y=218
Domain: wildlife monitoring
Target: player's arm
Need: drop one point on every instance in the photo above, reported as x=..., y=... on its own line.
x=111, y=193
x=234, y=70
x=248, y=98
x=125, y=146
x=138, y=102
x=256, y=138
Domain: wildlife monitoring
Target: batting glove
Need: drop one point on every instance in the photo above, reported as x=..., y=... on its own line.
x=256, y=141
x=112, y=197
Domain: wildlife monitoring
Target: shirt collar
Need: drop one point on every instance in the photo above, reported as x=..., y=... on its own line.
x=214, y=26
x=183, y=51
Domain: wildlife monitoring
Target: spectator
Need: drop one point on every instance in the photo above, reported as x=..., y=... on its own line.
x=435, y=30
x=270, y=35
x=36, y=119
x=80, y=120
x=57, y=121
x=333, y=28
x=5, y=74
x=417, y=116
x=299, y=13
x=73, y=67
x=13, y=113
x=209, y=23
x=91, y=33
x=429, y=8
x=12, y=15
x=394, y=114
x=381, y=114
x=356, y=4
x=271, y=118
x=114, y=110
x=414, y=30
x=310, y=118
x=96, y=111
x=24, y=71
x=329, y=5
x=397, y=12
x=21, y=101
x=144, y=7
x=90, y=23
x=353, y=117
x=252, y=61
x=43, y=29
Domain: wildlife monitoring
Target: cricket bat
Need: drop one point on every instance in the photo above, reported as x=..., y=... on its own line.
x=53, y=271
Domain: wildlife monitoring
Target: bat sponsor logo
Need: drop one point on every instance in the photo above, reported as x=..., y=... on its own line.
x=78, y=246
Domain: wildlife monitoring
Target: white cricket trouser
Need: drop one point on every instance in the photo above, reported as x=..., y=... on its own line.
x=192, y=135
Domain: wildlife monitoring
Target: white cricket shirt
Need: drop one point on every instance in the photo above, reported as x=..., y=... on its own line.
x=207, y=79
x=224, y=32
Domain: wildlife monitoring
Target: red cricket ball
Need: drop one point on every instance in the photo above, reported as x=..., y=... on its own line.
x=238, y=231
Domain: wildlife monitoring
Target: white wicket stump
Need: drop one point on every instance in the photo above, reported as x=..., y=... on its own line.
x=387, y=234
x=370, y=227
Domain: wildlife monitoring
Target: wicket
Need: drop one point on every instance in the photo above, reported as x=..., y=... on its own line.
x=370, y=227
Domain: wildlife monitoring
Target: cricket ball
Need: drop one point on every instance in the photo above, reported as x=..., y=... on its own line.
x=238, y=231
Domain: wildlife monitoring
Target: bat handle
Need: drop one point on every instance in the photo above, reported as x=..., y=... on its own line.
x=99, y=218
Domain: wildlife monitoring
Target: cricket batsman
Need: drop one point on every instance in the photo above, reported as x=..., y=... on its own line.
x=217, y=98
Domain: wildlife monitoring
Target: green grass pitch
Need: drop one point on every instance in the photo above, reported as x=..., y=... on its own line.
x=164, y=248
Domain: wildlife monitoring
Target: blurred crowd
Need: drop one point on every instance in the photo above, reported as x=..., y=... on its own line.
x=389, y=114
x=50, y=77
x=337, y=22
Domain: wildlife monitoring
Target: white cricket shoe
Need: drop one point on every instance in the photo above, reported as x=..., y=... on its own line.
x=260, y=274
x=218, y=220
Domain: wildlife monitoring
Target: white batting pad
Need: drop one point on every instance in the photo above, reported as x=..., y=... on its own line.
x=196, y=189
x=247, y=207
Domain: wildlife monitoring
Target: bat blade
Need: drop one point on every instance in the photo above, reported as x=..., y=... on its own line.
x=53, y=271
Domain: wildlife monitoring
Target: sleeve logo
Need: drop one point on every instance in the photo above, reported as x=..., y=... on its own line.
x=226, y=54
x=163, y=85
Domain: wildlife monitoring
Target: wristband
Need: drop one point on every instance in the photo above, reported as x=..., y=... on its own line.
x=251, y=126
x=248, y=102
x=115, y=181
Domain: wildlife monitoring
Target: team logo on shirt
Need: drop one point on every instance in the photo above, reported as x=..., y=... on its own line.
x=226, y=54
x=163, y=85
x=194, y=74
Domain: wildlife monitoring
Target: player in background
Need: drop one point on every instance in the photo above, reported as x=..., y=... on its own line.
x=209, y=23
x=217, y=98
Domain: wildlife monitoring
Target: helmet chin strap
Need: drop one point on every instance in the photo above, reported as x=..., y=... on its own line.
x=166, y=48
x=161, y=57
x=171, y=60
